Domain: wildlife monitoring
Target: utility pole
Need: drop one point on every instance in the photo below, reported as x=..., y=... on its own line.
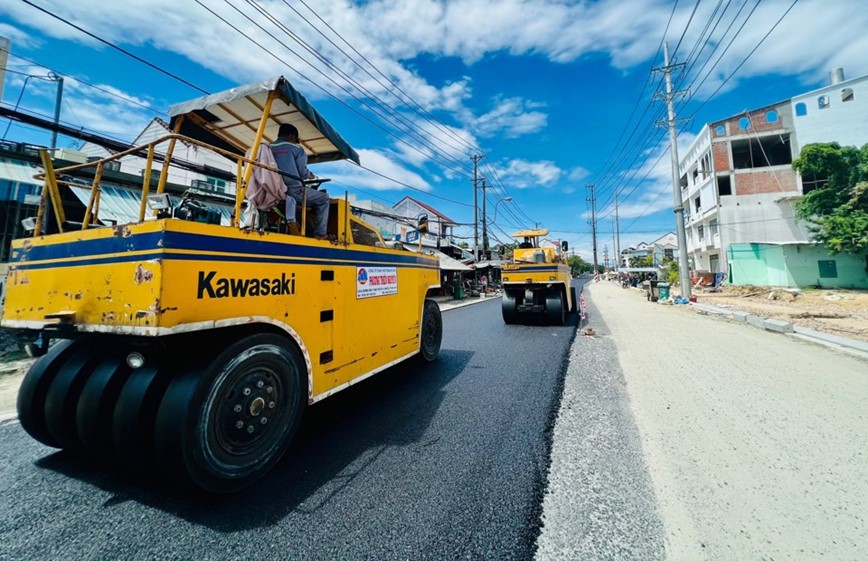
x=617, y=230
x=615, y=256
x=606, y=256
x=475, y=159
x=5, y=45
x=58, y=98
x=672, y=123
x=591, y=199
x=485, y=254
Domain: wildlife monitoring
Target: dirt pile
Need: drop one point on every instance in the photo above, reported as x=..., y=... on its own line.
x=839, y=312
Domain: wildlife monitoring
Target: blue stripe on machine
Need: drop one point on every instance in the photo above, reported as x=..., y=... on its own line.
x=218, y=248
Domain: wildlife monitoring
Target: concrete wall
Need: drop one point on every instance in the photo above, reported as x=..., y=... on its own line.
x=844, y=122
x=793, y=265
x=803, y=264
x=767, y=217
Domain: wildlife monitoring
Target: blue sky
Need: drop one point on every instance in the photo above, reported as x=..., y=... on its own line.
x=543, y=89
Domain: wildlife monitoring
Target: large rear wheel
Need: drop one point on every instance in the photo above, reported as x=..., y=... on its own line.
x=432, y=331
x=34, y=389
x=555, y=307
x=224, y=427
x=507, y=308
x=96, y=405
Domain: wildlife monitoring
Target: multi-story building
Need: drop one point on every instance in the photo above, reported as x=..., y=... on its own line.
x=739, y=189
x=664, y=248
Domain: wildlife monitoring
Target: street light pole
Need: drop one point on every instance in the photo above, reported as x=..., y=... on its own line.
x=503, y=200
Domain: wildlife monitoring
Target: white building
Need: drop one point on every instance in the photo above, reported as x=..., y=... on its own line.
x=737, y=181
x=183, y=152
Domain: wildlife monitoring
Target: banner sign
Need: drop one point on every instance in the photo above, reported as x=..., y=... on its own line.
x=376, y=281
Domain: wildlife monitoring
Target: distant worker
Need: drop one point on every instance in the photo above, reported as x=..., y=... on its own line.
x=292, y=159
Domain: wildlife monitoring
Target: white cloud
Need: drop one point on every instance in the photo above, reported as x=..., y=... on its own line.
x=511, y=118
x=578, y=173
x=19, y=39
x=523, y=174
x=387, y=172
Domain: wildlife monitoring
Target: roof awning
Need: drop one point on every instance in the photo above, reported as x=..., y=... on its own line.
x=495, y=263
x=230, y=119
x=119, y=205
x=19, y=171
x=447, y=263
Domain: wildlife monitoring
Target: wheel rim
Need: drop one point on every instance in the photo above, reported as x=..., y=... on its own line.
x=248, y=410
x=429, y=330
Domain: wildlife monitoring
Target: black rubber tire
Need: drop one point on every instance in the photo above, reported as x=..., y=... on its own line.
x=507, y=308
x=575, y=295
x=135, y=415
x=431, y=335
x=96, y=405
x=196, y=439
x=61, y=401
x=34, y=389
x=555, y=307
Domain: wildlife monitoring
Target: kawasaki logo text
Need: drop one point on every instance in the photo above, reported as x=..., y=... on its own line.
x=238, y=288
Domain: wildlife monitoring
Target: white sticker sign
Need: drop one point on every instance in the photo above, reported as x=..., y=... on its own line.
x=376, y=281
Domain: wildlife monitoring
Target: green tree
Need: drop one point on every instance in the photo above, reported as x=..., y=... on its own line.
x=837, y=211
x=578, y=265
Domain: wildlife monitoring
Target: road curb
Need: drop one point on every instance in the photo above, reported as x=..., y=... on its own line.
x=784, y=327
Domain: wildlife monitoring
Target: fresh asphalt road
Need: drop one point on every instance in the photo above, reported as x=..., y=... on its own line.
x=443, y=461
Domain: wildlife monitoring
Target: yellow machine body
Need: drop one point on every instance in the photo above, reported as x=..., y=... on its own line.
x=181, y=340
x=352, y=309
x=536, y=281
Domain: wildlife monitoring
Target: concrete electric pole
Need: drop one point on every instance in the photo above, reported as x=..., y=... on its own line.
x=591, y=199
x=485, y=254
x=672, y=123
x=475, y=159
x=617, y=231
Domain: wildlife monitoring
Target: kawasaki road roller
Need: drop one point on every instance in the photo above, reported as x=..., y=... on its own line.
x=536, y=282
x=178, y=334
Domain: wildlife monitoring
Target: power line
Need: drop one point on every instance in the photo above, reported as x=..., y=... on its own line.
x=116, y=47
x=403, y=124
x=395, y=87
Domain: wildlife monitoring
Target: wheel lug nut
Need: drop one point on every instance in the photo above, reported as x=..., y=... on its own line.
x=239, y=424
x=271, y=405
x=269, y=389
x=260, y=383
x=250, y=428
x=246, y=391
x=237, y=408
x=263, y=420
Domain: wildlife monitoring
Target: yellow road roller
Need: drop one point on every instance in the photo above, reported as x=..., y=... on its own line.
x=195, y=346
x=536, y=282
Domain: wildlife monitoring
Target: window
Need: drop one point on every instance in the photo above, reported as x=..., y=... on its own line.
x=823, y=101
x=701, y=232
x=697, y=204
x=828, y=269
x=801, y=110
x=713, y=227
x=847, y=94
x=744, y=123
x=216, y=184
x=668, y=254
x=813, y=182
x=720, y=130
x=724, y=185
x=683, y=181
x=772, y=116
x=762, y=152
